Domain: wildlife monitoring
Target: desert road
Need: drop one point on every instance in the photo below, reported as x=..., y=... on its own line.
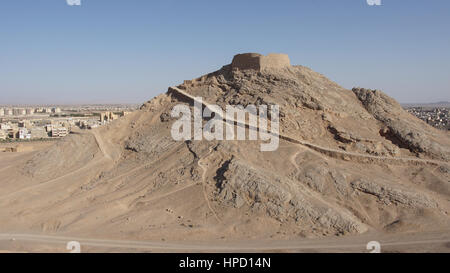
x=426, y=242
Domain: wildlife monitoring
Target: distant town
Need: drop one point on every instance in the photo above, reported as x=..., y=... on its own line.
x=53, y=122
x=436, y=116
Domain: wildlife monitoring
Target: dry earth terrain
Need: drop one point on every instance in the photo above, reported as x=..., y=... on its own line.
x=351, y=166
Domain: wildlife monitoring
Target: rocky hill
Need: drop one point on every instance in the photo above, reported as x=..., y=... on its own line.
x=348, y=162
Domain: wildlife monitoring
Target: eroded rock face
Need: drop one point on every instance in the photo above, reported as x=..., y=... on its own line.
x=240, y=184
x=321, y=185
x=401, y=127
x=388, y=194
x=62, y=156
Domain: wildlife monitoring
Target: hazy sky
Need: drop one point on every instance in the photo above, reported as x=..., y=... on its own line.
x=107, y=51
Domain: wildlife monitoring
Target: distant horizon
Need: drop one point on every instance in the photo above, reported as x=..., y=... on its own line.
x=65, y=104
x=140, y=103
x=117, y=51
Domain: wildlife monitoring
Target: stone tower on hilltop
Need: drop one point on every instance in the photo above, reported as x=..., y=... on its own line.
x=260, y=62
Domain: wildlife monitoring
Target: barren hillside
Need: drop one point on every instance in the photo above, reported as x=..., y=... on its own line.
x=348, y=162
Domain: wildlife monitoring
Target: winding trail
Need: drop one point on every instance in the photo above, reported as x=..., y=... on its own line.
x=205, y=169
x=324, y=150
x=96, y=161
x=354, y=244
x=54, y=180
x=293, y=159
x=102, y=146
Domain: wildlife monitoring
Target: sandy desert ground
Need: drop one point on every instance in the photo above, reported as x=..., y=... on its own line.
x=351, y=167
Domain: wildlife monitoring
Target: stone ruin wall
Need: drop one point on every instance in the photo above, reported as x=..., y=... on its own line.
x=260, y=62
